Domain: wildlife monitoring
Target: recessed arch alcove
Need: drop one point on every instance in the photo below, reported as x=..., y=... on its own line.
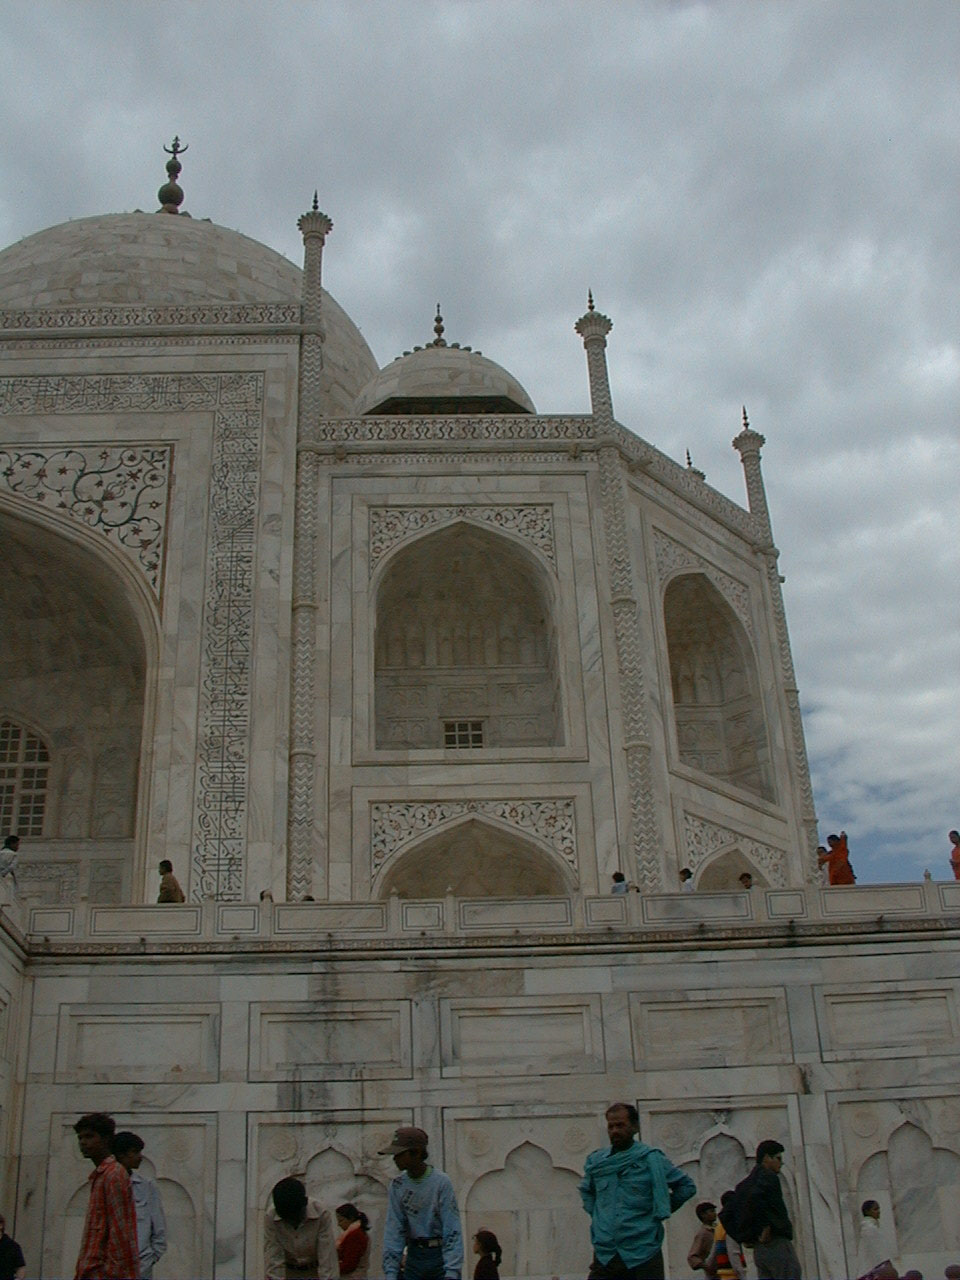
x=79, y=639
x=475, y=858
x=465, y=636
x=718, y=711
x=723, y=873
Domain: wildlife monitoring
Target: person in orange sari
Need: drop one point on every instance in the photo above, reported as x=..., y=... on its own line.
x=837, y=860
x=954, y=837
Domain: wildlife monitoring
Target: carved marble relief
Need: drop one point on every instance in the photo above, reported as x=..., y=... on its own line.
x=518, y=1173
x=905, y=1154
x=132, y=317
x=703, y=839
x=672, y=555
x=235, y=401
x=392, y=525
x=119, y=490
x=397, y=824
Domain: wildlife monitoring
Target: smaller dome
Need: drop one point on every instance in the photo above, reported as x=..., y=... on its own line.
x=442, y=379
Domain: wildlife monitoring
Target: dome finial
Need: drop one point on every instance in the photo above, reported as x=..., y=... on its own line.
x=439, y=340
x=746, y=423
x=590, y=300
x=316, y=200
x=170, y=194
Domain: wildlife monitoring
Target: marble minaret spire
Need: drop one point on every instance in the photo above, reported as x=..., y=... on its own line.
x=302, y=854
x=645, y=841
x=748, y=444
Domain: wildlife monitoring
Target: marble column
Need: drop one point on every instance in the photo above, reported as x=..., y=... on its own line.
x=644, y=829
x=748, y=444
x=302, y=837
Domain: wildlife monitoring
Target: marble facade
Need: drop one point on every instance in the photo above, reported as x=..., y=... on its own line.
x=255, y=590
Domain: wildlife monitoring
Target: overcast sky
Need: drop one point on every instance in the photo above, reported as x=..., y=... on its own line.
x=763, y=197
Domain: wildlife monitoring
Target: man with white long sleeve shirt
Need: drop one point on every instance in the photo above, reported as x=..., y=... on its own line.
x=151, y=1222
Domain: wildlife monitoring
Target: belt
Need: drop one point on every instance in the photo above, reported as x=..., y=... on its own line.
x=434, y=1242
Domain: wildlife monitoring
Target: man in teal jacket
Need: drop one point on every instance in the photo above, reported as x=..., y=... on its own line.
x=629, y=1190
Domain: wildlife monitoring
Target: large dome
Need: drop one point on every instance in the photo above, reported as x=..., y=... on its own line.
x=131, y=259
x=442, y=379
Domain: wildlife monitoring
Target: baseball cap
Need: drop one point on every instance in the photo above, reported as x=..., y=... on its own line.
x=406, y=1138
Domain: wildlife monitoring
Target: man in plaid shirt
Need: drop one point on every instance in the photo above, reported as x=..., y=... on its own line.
x=108, y=1250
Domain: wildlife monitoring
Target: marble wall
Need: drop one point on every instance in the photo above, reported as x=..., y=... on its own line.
x=245, y=1064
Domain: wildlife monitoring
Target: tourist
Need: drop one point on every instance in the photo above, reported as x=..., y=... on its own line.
x=686, y=880
x=757, y=1215
x=726, y=1256
x=626, y=1229
x=108, y=1249
x=746, y=880
x=837, y=860
x=8, y=860
x=353, y=1244
x=874, y=1245
x=954, y=837
x=702, y=1247
x=298, y=1237
x=151, y=1223
x=619, y=883
x=13, y=1265
x=486, y=1244
x=170, y=890
x=422, y=1214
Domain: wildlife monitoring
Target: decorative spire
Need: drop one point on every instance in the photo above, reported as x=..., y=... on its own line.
x=593, y=327
x=701, y=475
x=748, y=441
x=170, y=194
x=314, y=226
x=439, y=340
x=748, y=444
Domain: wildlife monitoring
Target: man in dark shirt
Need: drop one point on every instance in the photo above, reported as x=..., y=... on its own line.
x=12, y=1263
x=773, y=1252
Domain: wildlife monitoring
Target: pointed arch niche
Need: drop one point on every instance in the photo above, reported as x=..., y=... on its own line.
x=716, y=691
x=465, y=636
x=526, y=1204
x=76, y=648
x=475, y=859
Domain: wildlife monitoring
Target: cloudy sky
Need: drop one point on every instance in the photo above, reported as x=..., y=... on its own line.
x=763, y=197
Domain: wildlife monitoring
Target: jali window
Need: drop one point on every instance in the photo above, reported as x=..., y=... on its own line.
x=24, y=773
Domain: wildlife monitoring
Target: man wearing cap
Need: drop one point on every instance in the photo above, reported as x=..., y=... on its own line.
x=422, y=1214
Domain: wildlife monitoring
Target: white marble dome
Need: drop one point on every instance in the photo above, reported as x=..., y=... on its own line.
x=443, y=379
x=148, y=259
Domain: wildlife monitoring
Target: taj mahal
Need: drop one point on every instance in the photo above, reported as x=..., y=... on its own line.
x=398, y=672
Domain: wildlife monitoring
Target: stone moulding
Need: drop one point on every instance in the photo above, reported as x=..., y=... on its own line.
x=133, y=317
x=235, y=401
x=703, y=838
x=122, y=491
x=671, y=556
x=358, y=437
x=390, y=526
x=397, y=824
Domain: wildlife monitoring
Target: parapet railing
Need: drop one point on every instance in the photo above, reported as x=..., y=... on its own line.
x=810, y=908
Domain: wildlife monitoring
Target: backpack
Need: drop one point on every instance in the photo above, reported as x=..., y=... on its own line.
x=741, y=1216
